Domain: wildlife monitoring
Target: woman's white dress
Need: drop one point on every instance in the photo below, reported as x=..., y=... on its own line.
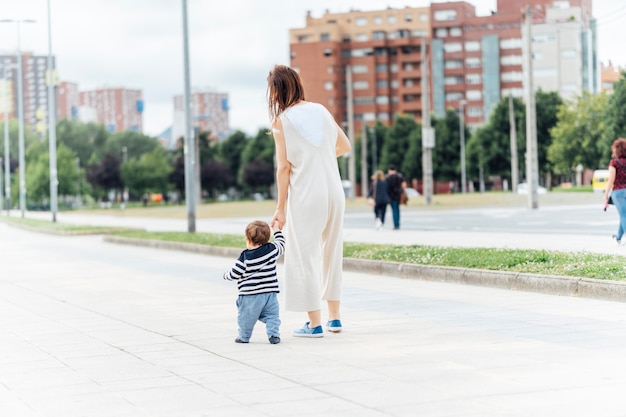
x=315, y=209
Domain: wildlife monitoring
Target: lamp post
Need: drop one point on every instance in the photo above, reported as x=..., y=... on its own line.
x=7, y=159
x=462, y=135
x=190, y=186
x=20, y=112
x=52, y=136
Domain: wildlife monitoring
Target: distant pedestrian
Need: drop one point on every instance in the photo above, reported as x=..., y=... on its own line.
x=257, y=281
x=616, y=185
x=395, y=182
x=379, y=192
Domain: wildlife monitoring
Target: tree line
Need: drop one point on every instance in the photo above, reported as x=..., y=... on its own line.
x=99, y=165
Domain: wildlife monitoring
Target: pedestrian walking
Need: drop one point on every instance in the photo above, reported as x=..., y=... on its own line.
x=616, y=185
x=380, y=194
x=395, y=182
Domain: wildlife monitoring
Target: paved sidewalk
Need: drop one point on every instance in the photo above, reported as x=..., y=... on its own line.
x=92, y=329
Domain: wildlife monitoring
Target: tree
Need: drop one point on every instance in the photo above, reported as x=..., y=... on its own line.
x=258, y=174
x=397, y=141
x=38, y=175
x=105, y=176
x=87, y=140
x=412, y=165
x=137, y=144
x=447, y=152
x=547, y=105
x=259, y=147
x=177, y=175
x=150, y=173
x=216, y=176
x=615, y=119
x=577, y=135
x=230, y=151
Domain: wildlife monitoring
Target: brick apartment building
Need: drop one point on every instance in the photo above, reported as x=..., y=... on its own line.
x=119, y=109
x=35, y=90
x=474, y=60
x=209, y=114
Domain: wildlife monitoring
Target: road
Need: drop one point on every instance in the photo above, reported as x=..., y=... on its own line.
x=93, y=329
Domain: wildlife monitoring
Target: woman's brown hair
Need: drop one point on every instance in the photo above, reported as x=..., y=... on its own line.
x=284, y=89
x=619, y=148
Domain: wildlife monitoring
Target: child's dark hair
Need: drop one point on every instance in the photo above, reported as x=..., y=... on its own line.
x=258, y=232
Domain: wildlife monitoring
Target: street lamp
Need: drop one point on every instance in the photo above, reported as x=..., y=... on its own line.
x=190, y=186
x=20, y=112
x=462, y=133
x=52, y=135
x=7, y=159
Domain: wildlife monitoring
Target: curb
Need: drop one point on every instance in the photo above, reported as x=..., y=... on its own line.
x=514, y=281
x=61, y=232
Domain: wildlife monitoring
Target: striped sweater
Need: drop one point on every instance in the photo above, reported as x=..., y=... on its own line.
x=255, y=269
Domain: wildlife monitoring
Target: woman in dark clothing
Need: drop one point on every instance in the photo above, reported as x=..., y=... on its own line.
x=380, y=193
x=616, y=185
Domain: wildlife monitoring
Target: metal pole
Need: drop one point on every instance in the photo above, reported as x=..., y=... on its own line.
x=190, y=159
x=513, y=135
x=7, y=158
x=531, y=126
x=351, y=135
x=364, y=179
x=428, y=135
x=52, y=135
x=462, y=137
x=20, y=117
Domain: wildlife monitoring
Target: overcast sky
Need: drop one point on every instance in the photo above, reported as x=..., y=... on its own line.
x=137, y=44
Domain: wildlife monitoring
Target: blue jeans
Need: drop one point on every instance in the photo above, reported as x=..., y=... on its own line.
x=619, y=200
x=261, y=307
x=395, y=211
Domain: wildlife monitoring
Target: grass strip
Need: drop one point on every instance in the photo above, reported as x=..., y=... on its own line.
x=576, y=264
x=47, y=225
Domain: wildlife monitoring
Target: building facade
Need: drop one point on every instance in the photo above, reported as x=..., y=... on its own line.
x=209, y=113
x=474, y=60
x=610, y=75
x=68, y=100
x=383, y=50
x=118, y=109
x=35, y=89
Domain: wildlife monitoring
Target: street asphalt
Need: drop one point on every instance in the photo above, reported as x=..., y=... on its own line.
x=89, y=328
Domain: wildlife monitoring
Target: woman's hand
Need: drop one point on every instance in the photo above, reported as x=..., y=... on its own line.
x=279, y=219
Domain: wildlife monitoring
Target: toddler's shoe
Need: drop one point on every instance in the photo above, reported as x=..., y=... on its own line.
x=274, y=340
x=306, y=331
x=333, y=326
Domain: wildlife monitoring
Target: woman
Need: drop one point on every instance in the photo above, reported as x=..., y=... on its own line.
x=380, y=193
x=616, y=185
x=311, y=200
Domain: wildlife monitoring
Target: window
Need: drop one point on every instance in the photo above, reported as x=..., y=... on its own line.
x=382, y=68
x=456, y=32
x=394, y=68
x=394, y=84
x=511, y=43
x=363, y=100
x=441, y=33
x=369, y=117
x=511, y=60
x=545, y=72
x=330, y=69
x=453, y=47
x=382, y=84
x=359, y=69
x=456, y=96
x=472, y=62
x=473, y=95
x=473, y=78
x=453, y=64
x=391, y=19
x=383, y=116
x=378, y=20
x=382, y=99
x=378, y=35
x=360, y=85
x=324, y=37
x=544, y=37
x=411, y=82
x=361, y=37
x=361, y=21
x=569, y=88
x=424, y=17
x=357, y=53
x=471, y=46
x=419, y=33
x=568, y=54
x=474, y=111
x=328, y=52
x=453, y=80
x=408, y=18
x=512, y=76
x=303, y=39
x=441, y=15
x=328, y=85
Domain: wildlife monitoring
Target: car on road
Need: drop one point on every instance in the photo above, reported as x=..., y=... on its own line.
x=522, y=188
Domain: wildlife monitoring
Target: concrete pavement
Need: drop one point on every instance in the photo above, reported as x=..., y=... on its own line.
x=93, y=329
